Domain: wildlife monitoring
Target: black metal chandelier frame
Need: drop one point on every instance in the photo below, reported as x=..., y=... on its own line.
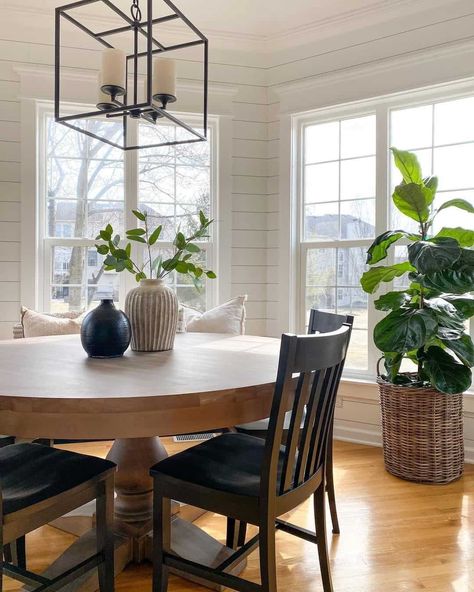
x=148, y=109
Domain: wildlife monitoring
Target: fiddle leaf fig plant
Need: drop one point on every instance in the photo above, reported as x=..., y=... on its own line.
x=426, y=321
x=118, y=258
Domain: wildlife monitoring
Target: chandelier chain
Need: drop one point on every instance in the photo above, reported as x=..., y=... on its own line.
x=135, y=11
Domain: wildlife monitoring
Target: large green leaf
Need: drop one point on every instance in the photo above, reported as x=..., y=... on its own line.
x=378, y=249
x=445, y=374
x=372, y=278
x=408, y=165
x=392, y=363
x=155, y=235
x=449, y=280
x=462, y=204
x=463, y=348
x=464, y=237
x=392, y=300
x=404, y=330
x=431, y=183
x=465, y=261
x=463, y=304
x=413, y=200
x=434, y=255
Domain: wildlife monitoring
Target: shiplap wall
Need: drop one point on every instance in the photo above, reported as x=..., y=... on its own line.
x=27, y=42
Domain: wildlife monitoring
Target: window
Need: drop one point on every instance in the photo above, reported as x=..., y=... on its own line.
x=338, y=221
x=84, y=187
x=345, y=181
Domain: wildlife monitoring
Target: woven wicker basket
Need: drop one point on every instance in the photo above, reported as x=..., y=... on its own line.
x=422, y=431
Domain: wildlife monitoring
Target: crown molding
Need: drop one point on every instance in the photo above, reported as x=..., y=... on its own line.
x=375, y=11
x=286, y=92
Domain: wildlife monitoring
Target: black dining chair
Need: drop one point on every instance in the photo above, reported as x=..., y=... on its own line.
x=319, y=322
x=256, y=481
x=39, y=484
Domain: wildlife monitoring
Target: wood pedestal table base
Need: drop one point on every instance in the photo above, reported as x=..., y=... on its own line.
x=133, y=507
x=206, y=381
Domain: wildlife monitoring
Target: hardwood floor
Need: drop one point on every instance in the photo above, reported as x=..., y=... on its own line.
x=395, y=536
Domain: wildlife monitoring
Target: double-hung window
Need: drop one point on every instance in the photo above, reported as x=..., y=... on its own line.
x=86, y=184
x=344, y=185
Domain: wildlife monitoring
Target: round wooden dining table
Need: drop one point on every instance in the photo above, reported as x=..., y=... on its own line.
x=49, y=388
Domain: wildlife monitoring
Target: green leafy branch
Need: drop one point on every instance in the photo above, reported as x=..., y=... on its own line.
x=182, y=261
x=426, y=321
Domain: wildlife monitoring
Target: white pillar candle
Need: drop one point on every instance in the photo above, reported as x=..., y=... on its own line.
x=164, y=77
x=113, y=68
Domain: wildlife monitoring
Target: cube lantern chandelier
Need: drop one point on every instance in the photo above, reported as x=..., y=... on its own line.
x=123, y=91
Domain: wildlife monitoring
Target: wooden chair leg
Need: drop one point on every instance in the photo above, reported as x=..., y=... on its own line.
x=268, y=556
x=330, y=484
x=161, y=540
x=15, y=552
x=105, y=535
x=231, y=538
x=236, y=533
x=320, y=521
x=242, y=534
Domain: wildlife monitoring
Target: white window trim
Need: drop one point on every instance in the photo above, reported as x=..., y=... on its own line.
x=381, y=106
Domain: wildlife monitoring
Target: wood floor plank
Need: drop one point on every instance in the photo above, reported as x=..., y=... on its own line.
x=395, y=536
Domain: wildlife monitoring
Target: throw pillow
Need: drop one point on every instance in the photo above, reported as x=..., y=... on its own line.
x=225, y=318
x=37, y=324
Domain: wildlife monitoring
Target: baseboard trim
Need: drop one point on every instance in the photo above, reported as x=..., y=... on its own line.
x=373, y=437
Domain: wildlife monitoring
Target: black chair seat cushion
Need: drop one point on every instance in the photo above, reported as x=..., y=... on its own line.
x=231, y=463
x=31, y=473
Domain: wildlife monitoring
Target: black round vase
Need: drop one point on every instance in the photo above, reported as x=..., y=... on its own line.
x=105, y=331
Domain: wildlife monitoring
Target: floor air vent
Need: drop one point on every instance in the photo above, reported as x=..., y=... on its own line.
x=194, y=437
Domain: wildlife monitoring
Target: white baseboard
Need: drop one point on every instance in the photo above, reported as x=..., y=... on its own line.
x=373, y=437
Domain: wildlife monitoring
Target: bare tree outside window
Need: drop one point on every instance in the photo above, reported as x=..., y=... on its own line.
x=86, y=190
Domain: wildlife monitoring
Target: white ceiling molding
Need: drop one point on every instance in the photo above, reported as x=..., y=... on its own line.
x=266, y=41
x=401, y=73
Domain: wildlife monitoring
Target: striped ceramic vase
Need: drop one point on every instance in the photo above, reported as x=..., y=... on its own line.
x=153, y=312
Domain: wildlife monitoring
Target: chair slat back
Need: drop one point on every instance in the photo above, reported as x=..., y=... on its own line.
x=309, y=371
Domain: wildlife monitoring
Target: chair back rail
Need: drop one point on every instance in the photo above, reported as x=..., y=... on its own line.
x=317, y=362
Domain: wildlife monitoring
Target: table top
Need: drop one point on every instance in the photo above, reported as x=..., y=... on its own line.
x=50, y=388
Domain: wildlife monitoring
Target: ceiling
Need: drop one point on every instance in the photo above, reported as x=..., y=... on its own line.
x=251, y=18
x=266, y=17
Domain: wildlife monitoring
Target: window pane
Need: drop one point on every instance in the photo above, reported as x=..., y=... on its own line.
x=454, y=121
x=358, y=136
x=350, y=266
x=156, y=181
x=411, y=128
x=321, y=142
x=452, y=217
x=321, y=267
x=321, y=182
x=453, y=165
x=320, y=298
x=322, y=221
x=85, y=185
x=78, y=280
x=358, y=178
x=332, y=284
x=357, y=355
x=358, y=219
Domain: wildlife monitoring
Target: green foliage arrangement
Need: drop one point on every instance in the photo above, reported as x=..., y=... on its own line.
x=118, y=258
x=426, y=322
